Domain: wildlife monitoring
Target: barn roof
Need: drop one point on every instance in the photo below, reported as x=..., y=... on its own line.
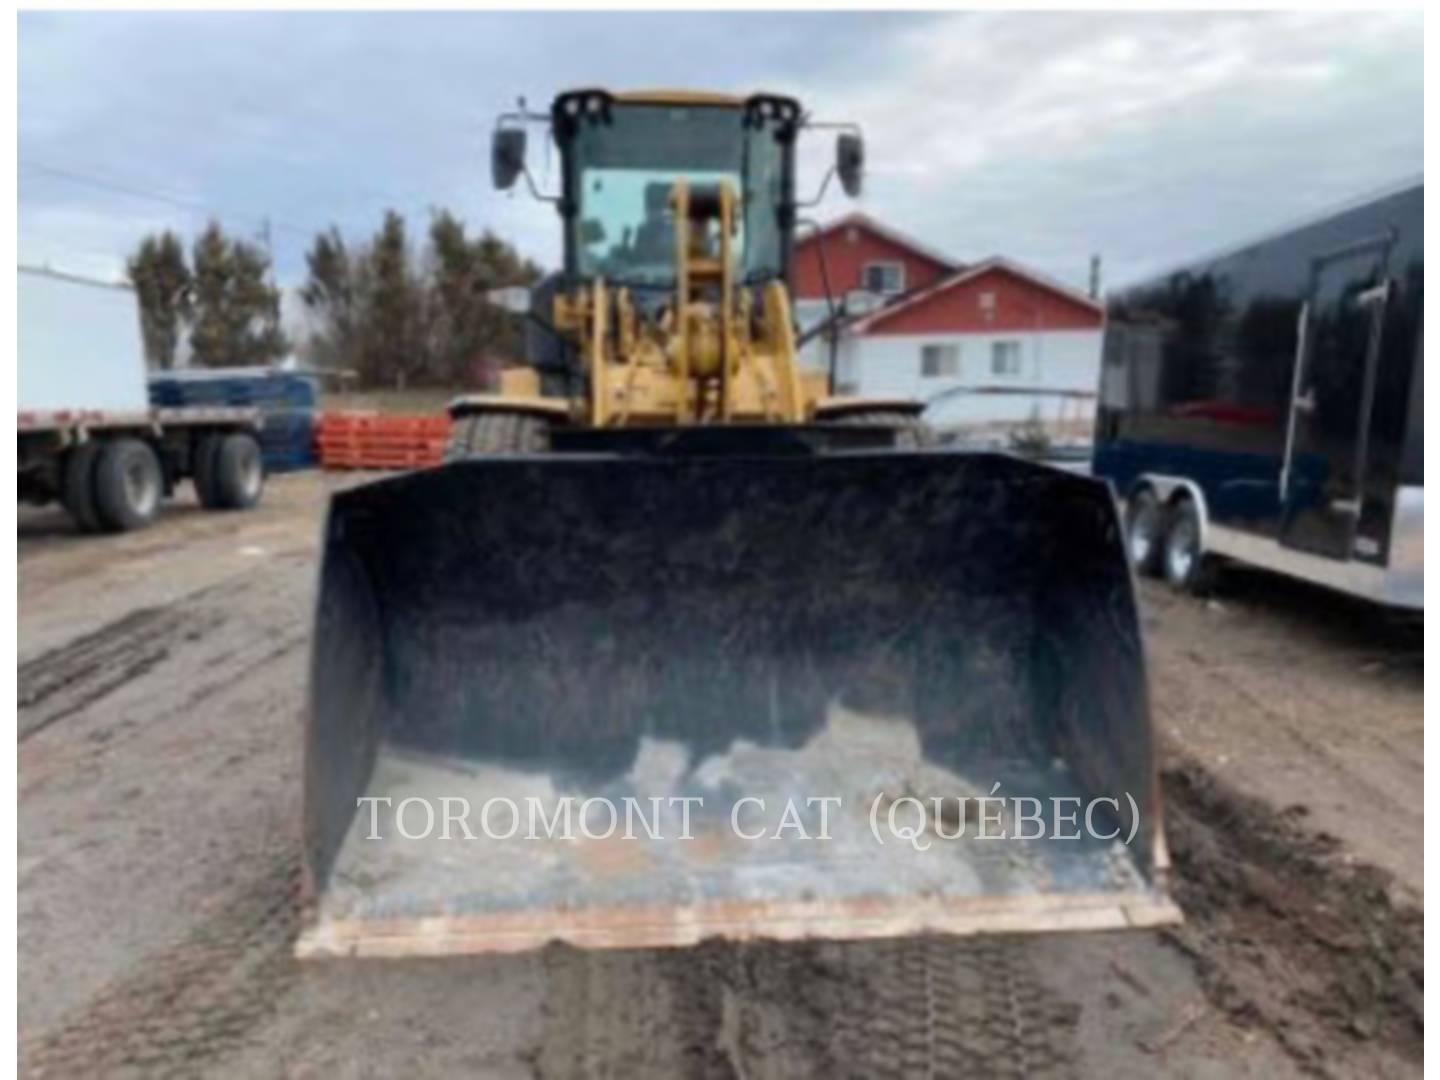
x=895, y=236
x=969, y=273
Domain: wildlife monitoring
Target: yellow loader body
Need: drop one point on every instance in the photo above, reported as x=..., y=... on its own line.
x=681, y=643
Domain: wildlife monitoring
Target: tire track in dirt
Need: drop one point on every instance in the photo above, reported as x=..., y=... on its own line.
x=1223, y=681
x=68, y=678
x=950, y=1006
x=1327, y=715
x=187, y=1007
x=287, y=643
x=71, y=677
x=1284, y=937
x=1279, y=939
x=606, y=1015
x=913, y=1007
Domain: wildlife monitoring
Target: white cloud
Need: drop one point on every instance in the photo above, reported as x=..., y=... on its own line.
x=1145, y=137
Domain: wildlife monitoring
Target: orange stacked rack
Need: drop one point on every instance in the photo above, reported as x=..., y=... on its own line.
x=368, y=440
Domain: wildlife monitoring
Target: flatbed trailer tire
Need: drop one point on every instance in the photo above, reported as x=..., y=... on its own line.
x=237, y=471
x=77, y=492
x=129, y=484
x=202, y=470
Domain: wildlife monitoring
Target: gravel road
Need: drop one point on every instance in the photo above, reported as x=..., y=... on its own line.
x=160, y=681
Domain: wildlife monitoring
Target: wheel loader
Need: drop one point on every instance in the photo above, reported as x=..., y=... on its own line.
x=680, y=643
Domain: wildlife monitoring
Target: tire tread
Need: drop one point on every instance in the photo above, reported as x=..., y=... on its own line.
x=911, y=431
x=78, y=486
x=112, y=502
x=508, y=432
x=227, y=464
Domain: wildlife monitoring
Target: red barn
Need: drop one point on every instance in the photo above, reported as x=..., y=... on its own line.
x=991, y=342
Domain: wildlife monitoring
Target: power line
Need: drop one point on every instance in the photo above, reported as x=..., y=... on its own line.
x=409, y=205
x=265, y=223
x=161, y=197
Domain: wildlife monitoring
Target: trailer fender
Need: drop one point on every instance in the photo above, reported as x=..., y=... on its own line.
x=1170, y=490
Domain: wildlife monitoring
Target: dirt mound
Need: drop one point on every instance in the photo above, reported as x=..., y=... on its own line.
x=1286, y=935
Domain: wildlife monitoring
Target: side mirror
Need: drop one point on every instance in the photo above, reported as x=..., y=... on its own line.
x=507, y=156
x=850, y=162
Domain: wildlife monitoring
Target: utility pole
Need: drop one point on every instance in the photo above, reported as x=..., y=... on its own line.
x=269, y=247
x=1094, y=277
x=265, y=239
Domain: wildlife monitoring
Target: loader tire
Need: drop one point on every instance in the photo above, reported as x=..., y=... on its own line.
x=129, y=485
x=498, y=433
x=77, y=492
x=911, y=432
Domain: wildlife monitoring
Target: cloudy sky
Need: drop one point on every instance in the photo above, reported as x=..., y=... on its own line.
x=1147, y=138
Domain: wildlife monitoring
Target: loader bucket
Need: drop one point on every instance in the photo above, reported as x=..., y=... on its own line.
x=604, y=697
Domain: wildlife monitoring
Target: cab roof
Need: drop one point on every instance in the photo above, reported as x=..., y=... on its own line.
x=670, y=96
x=679, y=97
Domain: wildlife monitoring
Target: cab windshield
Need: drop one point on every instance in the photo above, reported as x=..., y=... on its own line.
x=623, y=163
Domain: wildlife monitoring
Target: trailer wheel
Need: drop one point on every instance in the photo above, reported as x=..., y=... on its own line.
x=202, y=470
x=237, y=472
x=1145, y=532
x=498, y=433
x=77, y=492
x=1186, y=564
x=128, y=485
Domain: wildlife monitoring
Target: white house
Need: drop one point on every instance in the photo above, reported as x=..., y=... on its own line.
x=990, y=344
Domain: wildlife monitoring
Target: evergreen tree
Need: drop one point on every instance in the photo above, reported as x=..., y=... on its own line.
x=392, y=348
x=162, y=286
x=236, y=312
x=398, y=320
x=335, y=294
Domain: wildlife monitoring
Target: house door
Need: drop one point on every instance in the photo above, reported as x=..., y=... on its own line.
x=1332, y=397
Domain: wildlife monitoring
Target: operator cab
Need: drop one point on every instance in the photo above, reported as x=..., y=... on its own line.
x=622, y=155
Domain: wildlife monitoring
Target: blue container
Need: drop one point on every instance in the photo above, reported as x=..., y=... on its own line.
x=287, y=403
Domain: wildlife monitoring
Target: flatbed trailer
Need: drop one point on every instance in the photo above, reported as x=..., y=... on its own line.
x=111, y=469
x=89, y=437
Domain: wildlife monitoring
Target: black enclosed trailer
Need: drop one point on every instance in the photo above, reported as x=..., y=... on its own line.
x=1265, y=406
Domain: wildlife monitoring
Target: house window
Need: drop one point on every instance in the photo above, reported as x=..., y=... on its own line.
x=939, y=360
x=1005, y=358
x=885, y=278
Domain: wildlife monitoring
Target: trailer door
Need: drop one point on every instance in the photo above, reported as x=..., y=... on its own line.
x=1332, y=395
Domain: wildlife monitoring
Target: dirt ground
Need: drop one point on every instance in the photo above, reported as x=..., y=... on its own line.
x=160, y=681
